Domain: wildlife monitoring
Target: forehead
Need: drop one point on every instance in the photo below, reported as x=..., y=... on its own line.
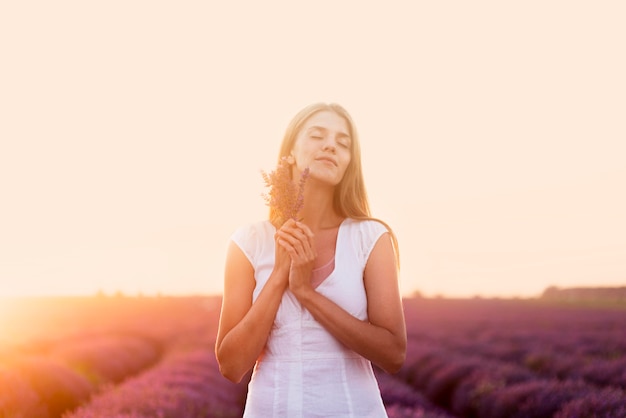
x=327, y=120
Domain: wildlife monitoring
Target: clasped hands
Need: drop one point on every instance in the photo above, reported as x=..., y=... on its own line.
x=295, y=253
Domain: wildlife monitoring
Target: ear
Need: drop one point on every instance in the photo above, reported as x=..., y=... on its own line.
x=290, y=159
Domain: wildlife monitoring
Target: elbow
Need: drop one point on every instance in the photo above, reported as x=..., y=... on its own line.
x=395, y=367
x=395, y=359
x=395, y=363
x=231, y=369
x=226, y=368
x=230, y=374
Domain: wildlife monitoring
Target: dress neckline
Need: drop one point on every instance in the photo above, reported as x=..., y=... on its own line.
x=333, y=260
x=336, y=252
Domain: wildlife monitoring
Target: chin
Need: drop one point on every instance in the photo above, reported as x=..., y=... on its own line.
x=324, y=178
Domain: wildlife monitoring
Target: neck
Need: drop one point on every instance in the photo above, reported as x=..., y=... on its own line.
x=318, y=212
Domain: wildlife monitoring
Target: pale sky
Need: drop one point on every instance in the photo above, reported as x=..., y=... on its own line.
x=133, y=135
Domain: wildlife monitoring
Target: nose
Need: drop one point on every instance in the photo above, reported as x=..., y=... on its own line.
x=329, y=145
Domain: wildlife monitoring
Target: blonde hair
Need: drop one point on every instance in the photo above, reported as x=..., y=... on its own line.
x=350, y=197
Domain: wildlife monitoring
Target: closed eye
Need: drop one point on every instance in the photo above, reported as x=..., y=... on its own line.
x=316, y=132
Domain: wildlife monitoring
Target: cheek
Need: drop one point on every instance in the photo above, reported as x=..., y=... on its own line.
x=302, y=151
x=303, y=161
x=345, y=167
x=347, y=158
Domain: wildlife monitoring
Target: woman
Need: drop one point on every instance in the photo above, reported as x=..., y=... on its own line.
x=312, y=303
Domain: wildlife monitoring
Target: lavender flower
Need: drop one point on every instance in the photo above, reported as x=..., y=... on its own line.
x=285, y=198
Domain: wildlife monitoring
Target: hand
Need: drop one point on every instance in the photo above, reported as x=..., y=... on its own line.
x=298, y=241
x=282, y=260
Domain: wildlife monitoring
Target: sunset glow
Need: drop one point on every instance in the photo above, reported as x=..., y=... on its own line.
x=134, y=135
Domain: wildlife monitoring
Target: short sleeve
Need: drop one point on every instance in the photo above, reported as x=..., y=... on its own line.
x=246, y=238
x=371, y=231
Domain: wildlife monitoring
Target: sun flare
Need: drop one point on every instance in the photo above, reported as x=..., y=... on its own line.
x=18, y=320
x=7, y=309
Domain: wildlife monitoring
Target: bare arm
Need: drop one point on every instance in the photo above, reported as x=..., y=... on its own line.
x=382, y=339
x=244, y=326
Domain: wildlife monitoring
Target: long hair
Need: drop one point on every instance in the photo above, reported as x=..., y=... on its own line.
x=350, y=196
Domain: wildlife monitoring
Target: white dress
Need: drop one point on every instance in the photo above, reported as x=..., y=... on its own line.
x=303, y=370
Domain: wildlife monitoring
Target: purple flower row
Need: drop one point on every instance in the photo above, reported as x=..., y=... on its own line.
x=47, y=384
x=186, y=383
x=489, y=359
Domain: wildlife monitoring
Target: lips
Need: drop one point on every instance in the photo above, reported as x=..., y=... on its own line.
x=327, y=159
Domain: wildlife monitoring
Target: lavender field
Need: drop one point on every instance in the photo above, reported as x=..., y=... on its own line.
x=153, y=357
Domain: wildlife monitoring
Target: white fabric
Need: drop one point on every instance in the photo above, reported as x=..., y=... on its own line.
x=304, y=371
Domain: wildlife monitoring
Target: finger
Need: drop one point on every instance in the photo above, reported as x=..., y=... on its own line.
x=298, y=253
x=288, y=225
x=300, y=237
x=289, y=222
x=288, y=237
x=292, y=244
x=305, y=229
x=307, y=233
x=288, y=248
x=295, y=237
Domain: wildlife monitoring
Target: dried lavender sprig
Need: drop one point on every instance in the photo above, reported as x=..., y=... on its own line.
x=300, y=196
x=284, y=198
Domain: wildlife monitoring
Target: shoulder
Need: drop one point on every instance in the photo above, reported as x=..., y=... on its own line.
x=364, y=234
x=366, y=227
x=250, y=235
x=253, y=228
